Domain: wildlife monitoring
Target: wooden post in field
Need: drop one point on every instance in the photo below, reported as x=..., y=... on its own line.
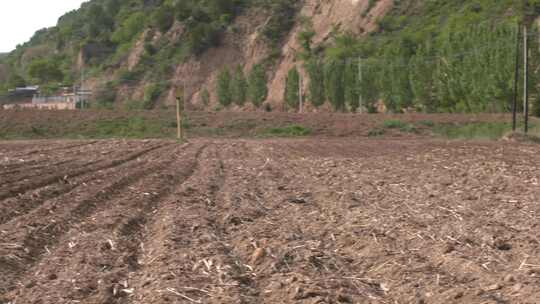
x=179, y=99
x=516, y=81
x=526, y=79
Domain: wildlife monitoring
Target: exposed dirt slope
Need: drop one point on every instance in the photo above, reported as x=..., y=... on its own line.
x=325, y=16
x=246, y=47
x=309, y=221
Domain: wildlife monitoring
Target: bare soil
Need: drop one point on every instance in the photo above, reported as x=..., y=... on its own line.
x=269, y=221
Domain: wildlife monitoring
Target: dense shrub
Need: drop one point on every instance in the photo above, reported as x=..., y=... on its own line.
x=129, y=28
x=106, y=95
x=163, y=18
x=282, y=19
x=45, y=71
x=152, y=92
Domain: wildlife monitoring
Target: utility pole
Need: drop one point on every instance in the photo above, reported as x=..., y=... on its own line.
x=526, y=79
x=516, y=80
x=300, y=93
x=360, y=76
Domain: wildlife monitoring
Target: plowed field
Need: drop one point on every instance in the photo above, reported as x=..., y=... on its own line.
x=269, y=221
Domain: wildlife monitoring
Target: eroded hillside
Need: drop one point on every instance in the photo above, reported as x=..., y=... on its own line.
x=251, y=54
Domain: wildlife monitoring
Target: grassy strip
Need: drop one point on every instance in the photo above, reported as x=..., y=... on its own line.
x=464, y=131
x=399, y=125
x=130, y=127
x=484, y=130
x=288, y=131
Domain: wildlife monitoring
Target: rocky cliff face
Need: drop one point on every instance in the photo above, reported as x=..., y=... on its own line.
x=243, y=43
x=325, y=16
x=244, y=46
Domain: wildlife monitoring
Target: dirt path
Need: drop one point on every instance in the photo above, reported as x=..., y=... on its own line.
x=270, y=221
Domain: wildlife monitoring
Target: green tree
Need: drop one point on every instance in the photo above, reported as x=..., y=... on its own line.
x=97, y=20
x=112, y=7
x=15, y=81
x=334, y=83
x=224, y=87
x=257, y=90
x=292, y=88
x=315, y=71
x=129, y=28
x=421, y=77
x=239, y=86
x=352, y=88
x=163, y=18
x=45, y=71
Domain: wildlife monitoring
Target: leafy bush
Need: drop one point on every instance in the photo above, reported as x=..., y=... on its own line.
x=163, y=18
x=402, y=126
x=288, y=131
x=152, y=92
x=281, y=20
x=129, y=77
x=129, y=28
x=45, y=71
x=106, y=96
x=15, y=81
x=375, y=132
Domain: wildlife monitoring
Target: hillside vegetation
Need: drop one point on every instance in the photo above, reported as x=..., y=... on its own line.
x=430, y=56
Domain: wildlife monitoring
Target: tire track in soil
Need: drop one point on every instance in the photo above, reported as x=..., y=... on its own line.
x=51, y=160
x=41, y=230
x=117, y=240
x=35, y=159
x=55, y=177
x=6, y=174
x=13, y=182
x=67, y=147
x=12, y=208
